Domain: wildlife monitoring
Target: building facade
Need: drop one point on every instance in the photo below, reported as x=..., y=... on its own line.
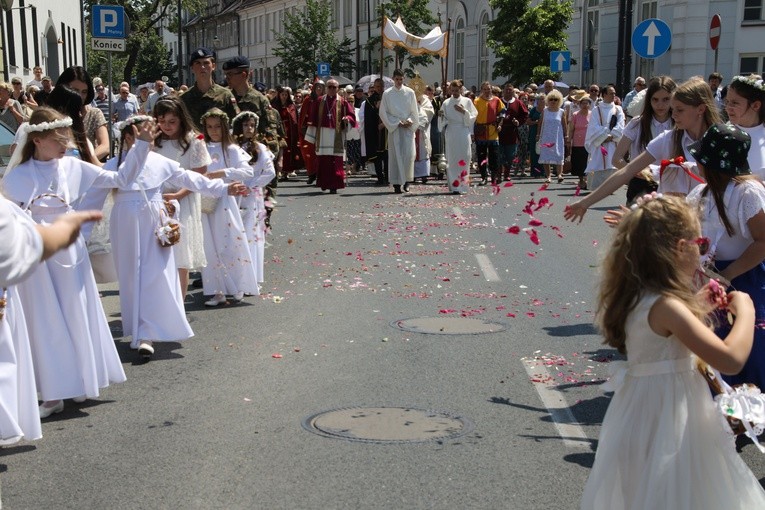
x=47, y=33
x=246, y=27
x=593, y=38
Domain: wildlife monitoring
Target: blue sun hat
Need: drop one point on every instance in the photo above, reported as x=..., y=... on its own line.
x=723, y=148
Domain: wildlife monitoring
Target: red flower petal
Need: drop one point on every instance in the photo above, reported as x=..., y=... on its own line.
x=515, y=229
x=535, y=222
x=461, y=162
x=533, y=237
x=508, y=184
x=456, y=183
x=577, y=191
x=543, y=187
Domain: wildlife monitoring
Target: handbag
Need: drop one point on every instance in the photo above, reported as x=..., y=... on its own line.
x=209, y=204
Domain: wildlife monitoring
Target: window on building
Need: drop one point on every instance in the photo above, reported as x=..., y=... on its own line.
x=483, y=48
x=459, y=49
x=752, y=64
x=335, y=13
x=347, y=12
x=363, y=12
x=753, y=10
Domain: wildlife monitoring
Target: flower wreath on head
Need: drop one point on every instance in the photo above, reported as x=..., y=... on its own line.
x=245, y=115
x=212, y=113
x=757, y=84
x=645, y=199
x=25, y=129
x=135, y=119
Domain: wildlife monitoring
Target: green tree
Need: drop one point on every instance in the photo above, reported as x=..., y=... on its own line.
x=154, y=60
x=418, y=21
x=144, y=16
x=522, y=37
x=308, y=39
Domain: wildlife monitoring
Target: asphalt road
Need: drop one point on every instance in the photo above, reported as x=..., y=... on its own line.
x=215, y=422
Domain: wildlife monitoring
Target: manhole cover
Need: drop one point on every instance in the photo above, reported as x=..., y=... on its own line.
x=448, y=325
x=387, y=424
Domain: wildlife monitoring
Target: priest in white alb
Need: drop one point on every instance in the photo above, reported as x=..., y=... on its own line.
x=399, y=113
x=456, y=119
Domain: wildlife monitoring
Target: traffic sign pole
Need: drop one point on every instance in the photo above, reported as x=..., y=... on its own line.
x=715, y=30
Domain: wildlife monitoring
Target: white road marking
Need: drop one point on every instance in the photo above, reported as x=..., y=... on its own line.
x=488, y=269
x=569, y=430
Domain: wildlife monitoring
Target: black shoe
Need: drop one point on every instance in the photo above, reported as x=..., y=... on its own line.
x=196, y=284
x=397, y=189
x=424, y=180
x=333, y=192
x=311, y=179
x=440, y=177
x=406, y=187
x=484, y=181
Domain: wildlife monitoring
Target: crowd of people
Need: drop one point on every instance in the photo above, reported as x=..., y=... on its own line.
x=206, y=162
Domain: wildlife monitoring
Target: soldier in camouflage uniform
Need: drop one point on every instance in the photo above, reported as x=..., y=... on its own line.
x=248, y=99
x=273, y=138
x=205, y=93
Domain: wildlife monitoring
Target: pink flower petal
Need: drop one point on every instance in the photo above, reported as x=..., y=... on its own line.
x=543, y=187
x=531, y=254
x=508, y=184
x=463, y=173
x=549, y=144
x=277, y=356
x=511, y=315
x=530, y=314
x=603, y=151
x=577, y=191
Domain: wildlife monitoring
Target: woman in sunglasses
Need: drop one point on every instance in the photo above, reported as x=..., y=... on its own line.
x=732, y=207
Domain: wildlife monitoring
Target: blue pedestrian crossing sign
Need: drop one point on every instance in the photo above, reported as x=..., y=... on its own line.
x=322, y=69
x=560, y=61
x=651, y=38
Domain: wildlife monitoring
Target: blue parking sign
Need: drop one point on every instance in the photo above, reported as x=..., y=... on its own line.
x=322, y=69
x=109, y=21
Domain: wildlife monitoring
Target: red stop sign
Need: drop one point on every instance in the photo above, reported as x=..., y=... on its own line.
x=715, y=27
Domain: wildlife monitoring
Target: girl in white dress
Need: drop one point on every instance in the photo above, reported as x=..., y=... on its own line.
x=151, y=303
x=253, y=205
x=652, y=120
x=745, y=106
x=693, y=111
x=25, y=245
x=72, y=347
x=663, y=443
x=183, y=145
x=229, y=267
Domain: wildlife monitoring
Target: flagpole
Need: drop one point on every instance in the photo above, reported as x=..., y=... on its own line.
x=449, y=36
x=382, y=37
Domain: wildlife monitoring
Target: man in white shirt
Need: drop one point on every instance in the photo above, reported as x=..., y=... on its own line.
x=603, y=133
x=637, y=87
x=37, y=81
x=399, y=112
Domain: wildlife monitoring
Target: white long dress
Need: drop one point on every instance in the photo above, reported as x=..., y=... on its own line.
x=72, y=347
x=151, y=302
x=457, y=129
x=253, y=209
x=189, y=252
x=599, y=165
x=400, y=105
x=229, y=267
x=663, y=443
x=20, y=253
x=422, y=138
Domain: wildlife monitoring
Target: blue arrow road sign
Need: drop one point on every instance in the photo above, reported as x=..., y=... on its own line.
x=109, y=21
x=560, y=61
x=651, y=38
x=322, y=69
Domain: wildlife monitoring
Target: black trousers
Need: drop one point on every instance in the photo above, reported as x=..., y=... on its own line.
x=488, y=160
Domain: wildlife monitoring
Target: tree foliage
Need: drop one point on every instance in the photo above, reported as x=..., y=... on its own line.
x=308, y=39
x=523, y=37
x=144, y=16
x=418, y=21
